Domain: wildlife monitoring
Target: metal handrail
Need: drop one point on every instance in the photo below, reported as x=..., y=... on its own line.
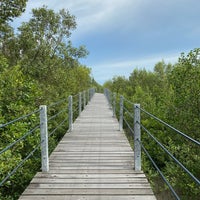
x=59, y=125
x=20, y=139
x=20, y=164
x=171, y=127
x=56, y=115
x=159, y=171
x=57, y=103
x=175, y=159
x=37, y=127
x=129, y=113
x=18, y=119
x=109, y=93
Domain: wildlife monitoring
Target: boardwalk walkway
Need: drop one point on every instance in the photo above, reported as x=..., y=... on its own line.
x=94, y=161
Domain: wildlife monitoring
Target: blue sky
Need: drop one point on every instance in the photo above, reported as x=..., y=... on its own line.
x=122, y=35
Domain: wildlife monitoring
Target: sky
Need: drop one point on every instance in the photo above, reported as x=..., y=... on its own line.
x=122, y=35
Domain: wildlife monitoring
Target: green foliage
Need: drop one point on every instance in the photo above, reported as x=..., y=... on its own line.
x=18, y=96
x=185, y=79
x=10, y=9
x=38, y=66
x=172, y=94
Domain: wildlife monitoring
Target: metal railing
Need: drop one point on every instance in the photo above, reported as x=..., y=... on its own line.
x=24, y=137
x=133, y=111
x=44, y=119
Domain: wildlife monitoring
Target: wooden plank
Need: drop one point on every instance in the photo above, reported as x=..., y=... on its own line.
x=93, y=171
x=91, y=167
x=88, y=191
x=90, y=157
x=89, y=180
x=93, y=162
x=89, y=197
x=86, y=175
x=88, y=185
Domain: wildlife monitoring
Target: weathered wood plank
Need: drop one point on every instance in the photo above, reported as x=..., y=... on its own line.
x=93, y=171
x=92, y=176
x=88, y=191
x=89, y=185
x=89, y=197
x=93, y=162
x=88, y=180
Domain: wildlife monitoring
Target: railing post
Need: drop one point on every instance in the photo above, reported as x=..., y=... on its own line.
x=107, y=94
x=44, y=138
x=109, y=99
x=70, y=115
x=121, y=113
x=84, y=99
x=137, y=138
x=93, y=91
x=88, y=95
x=104, y=91
x=80, y=103
x=114, y=104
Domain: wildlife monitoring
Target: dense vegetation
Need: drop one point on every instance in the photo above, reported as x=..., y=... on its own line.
x=38, y=65
x=172, y=93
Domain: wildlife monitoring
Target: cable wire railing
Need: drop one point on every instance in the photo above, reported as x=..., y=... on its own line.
x=11, y=145
x=171, y=127
x=129, y=113
x=20, y=118
x=42, y=125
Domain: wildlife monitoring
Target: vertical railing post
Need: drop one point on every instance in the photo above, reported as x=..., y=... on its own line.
x=93, y=91
x=44, y=138
x=105, y=92
x=121, y=113
x=88, y=95
x=110, y=103
x=110, y=99
x=84, y=99
x=80, y=103
x=137, y=138
x=114, y=104
x=70, y=114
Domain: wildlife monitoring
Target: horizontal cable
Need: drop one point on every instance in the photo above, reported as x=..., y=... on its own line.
x=129, y=126
x=52, y=132
x=54, y=116
x=130, y=114
x=82, y=97
x=19, y=165
x=76, y=95
x=76, y=102
x=20, y=118
x=159, y=171
x=75, y=110
x=57, y=103
x=128, y=101
x=23, y=137
x=176, y=160
x=171, y=127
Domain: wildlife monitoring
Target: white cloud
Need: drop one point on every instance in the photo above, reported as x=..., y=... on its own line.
x=124, y=68
x=90, y=14
x=131, y=27
x=141, y=62
x=99, y=15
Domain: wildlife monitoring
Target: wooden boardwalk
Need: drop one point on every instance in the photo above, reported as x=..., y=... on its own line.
x=94, y=161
